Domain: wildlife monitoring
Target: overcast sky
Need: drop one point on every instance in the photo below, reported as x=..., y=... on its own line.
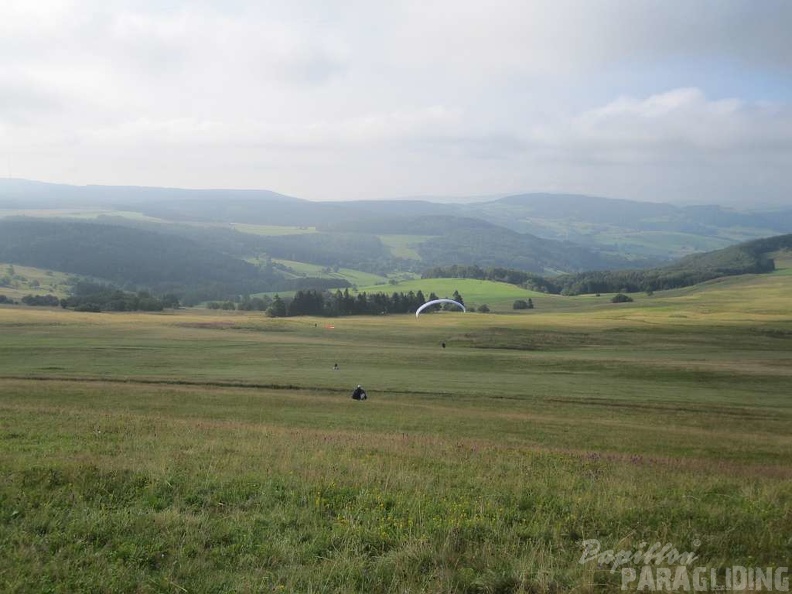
x=669, y=100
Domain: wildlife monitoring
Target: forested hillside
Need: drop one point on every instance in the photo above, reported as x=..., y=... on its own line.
x=470, y=241
x=640, y=233
x=138, y=258
x=747, y=258
x=202, y=258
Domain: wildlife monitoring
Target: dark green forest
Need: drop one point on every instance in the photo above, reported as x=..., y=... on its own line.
x=470, y=241
x=338, y=303
x=133, y=258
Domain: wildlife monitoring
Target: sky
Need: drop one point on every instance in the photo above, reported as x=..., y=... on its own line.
x=664, y=100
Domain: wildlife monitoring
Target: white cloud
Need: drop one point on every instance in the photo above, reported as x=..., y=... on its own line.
x=683, y=122
x=411, y=96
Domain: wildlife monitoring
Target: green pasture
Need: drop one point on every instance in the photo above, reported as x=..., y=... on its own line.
x=666, y=243
x=356, y=277
x=87, y=214
x=26, y=280
x=272, y=230
x=404, y=246
x=199, y=451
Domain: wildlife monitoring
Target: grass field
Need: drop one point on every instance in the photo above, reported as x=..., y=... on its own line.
x=353, y=276
x=205, y=451
x=271, y=230
x=404, y=246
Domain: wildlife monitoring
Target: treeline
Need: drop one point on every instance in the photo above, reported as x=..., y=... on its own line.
x=246, y=303
x=95, y=297
x=746, y=258
x=33, y=300
x=41, y=300
x=316, y=303
x=521, y=278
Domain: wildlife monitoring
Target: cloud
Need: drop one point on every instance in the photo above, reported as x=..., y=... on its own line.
x=681, y=123
x=380, y=129
x=410, y=96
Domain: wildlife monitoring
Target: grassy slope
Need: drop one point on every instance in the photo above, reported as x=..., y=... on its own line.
x=404, y=246
x=356, y=277
x=78, y=214
x=219, y=451
x=665, y=243
x=49, y=282
x=271, y=230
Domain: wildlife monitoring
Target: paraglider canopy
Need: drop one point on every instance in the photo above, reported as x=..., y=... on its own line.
x=435, y=302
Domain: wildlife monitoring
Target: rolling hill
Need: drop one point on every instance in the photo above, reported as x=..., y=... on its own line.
x=212, y=244
x=641, y=232
x=134, y=258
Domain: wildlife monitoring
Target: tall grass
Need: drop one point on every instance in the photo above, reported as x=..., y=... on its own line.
x=210, y=451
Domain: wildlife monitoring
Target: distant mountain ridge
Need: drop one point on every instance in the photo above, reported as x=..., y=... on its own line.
x=641, y=232
x=199, y=263
x=20, y=193
x=518, y=210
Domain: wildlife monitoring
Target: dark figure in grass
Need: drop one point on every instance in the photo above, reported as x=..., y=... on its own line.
x=359, y=394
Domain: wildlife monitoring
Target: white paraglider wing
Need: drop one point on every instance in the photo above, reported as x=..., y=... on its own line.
x=435, y=302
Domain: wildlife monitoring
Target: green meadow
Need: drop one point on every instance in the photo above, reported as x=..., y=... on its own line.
x=269, y=230
x=353, y=276
x=18, y=281
x=198, y=451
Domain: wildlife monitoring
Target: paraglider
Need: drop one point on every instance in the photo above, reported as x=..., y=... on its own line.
x=435, y=302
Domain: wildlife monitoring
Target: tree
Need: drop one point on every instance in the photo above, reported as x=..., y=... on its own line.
x=41, y=300
x=170, y=301
x=621, y=298
x=277, y=309
x=520, y=304
x=255, y=304
x=483, y=308
x=306, y=303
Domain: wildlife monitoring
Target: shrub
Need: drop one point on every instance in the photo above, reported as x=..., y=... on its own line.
x=621, y=298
